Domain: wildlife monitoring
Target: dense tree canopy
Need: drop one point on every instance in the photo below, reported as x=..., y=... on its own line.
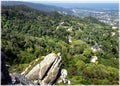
x=28, y=34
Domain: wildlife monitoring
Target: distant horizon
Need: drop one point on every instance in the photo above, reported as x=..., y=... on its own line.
x=77, y=5
x=84, y=5
x=67, y=1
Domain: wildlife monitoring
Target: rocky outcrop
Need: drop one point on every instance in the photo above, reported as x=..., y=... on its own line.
x=43, y=71
x=46, y=72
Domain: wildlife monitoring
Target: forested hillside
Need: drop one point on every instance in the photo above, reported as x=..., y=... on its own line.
x=38, y=6
x=28, y=34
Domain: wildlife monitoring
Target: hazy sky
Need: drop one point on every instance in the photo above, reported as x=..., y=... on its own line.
x=69, y=1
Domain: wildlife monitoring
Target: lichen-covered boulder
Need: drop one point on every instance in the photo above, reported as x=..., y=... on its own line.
x=46, y=64
x=53, y=72
x=45, y=71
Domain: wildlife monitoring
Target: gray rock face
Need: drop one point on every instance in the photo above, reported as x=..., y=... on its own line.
x=46, y=64
x=21, y=80
x=53, y=72
x=46, y=71
x=33, y=74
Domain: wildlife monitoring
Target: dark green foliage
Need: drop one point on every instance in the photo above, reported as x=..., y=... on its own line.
x=99, y=74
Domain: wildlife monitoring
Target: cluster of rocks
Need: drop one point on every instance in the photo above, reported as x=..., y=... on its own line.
x=63, y=77
x=45, y=72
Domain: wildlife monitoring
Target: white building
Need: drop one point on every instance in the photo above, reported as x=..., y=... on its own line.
x=112, y=33
x=94, y=59
x=70, y=39
x=114, y=27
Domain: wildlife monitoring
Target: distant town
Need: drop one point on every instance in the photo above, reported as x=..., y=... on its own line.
x=104, y=15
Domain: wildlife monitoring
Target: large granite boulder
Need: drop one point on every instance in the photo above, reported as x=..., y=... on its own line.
x=53, y=72
x=46, y=71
